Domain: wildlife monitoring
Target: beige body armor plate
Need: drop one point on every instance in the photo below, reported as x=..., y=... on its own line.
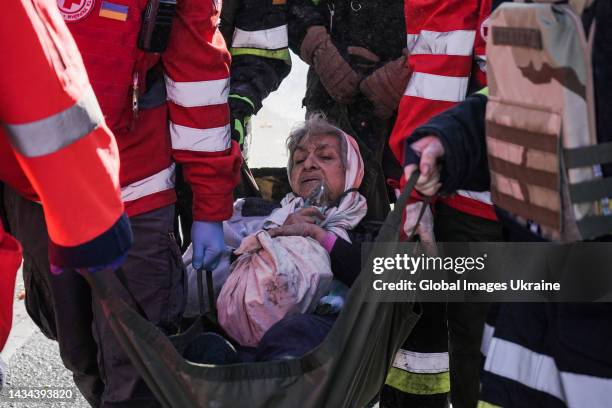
x=541, y=129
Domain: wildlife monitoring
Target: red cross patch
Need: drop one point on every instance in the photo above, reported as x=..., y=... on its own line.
x=75, y=10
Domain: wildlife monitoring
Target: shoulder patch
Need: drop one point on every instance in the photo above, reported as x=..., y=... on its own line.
x=75, y=10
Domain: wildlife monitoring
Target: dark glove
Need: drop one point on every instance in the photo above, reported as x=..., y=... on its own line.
x=385, y=86
x=241, y=110
x=336, y=74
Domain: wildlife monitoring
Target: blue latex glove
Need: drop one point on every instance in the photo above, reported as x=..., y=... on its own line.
x=208, y=244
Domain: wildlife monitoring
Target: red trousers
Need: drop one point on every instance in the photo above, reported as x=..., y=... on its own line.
x=10, y=259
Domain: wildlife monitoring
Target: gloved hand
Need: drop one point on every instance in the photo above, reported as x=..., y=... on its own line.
x=241, y=110
x=337, y=76
x=361, y=59
x=208, y=244
x=385, y=86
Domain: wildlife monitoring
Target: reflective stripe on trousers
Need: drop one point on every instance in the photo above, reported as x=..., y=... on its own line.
x=540, y=372
x=418, y=383
x=420, y=373
x=487, y=336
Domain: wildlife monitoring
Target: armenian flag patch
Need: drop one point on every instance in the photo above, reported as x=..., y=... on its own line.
x=113, y=11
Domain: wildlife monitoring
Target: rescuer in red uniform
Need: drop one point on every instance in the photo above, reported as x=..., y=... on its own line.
x=55, y=148
x=165, y=106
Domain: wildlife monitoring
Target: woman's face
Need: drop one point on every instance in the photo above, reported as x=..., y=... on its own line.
x=318, y=159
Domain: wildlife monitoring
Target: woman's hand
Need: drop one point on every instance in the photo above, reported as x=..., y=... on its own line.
x=302, y=229
x=308, y=215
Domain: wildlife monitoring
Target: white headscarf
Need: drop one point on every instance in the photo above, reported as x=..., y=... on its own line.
x=349, y=212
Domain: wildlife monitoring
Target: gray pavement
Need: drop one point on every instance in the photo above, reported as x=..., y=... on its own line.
x=33, y=363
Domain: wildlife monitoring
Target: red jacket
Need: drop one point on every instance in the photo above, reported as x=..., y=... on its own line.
x=446, y=48
x=191, y=128
x=55, y=146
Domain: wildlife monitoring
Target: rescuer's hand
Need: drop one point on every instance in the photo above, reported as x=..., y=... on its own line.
x=208, y=244
x=385, y=86
x=430, y=151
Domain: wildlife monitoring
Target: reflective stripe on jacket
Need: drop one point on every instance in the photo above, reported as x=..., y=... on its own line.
x=442, y=40
x=186, y=121
x=54, y=140
x=256, y=33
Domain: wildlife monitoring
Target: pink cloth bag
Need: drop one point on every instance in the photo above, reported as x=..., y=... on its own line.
x=285, y=276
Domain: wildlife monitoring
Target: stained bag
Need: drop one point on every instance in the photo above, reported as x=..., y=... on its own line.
x=286, y=276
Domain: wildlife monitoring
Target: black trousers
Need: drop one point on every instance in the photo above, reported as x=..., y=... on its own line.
x=465, y=320
x=453, y=327
x=62, y=305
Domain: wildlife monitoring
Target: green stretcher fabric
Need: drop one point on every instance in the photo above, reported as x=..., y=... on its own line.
x=346, y=370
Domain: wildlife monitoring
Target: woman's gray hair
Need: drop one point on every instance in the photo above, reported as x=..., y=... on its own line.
x=316, y=124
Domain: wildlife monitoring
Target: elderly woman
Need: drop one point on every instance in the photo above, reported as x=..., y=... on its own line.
x=325, y=170
x=323, y=155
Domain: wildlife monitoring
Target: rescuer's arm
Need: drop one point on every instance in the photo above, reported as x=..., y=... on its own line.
x=260, y=57
x=461, y=131
x=197, y=81
x=441, y=42
x=54, y=124
x=441, y=37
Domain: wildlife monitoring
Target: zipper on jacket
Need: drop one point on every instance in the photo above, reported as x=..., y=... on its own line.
x=332, y=11
x=134, y=99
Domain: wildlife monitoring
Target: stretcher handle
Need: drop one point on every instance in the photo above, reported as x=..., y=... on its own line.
x=211, y=292
x=411, y=157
